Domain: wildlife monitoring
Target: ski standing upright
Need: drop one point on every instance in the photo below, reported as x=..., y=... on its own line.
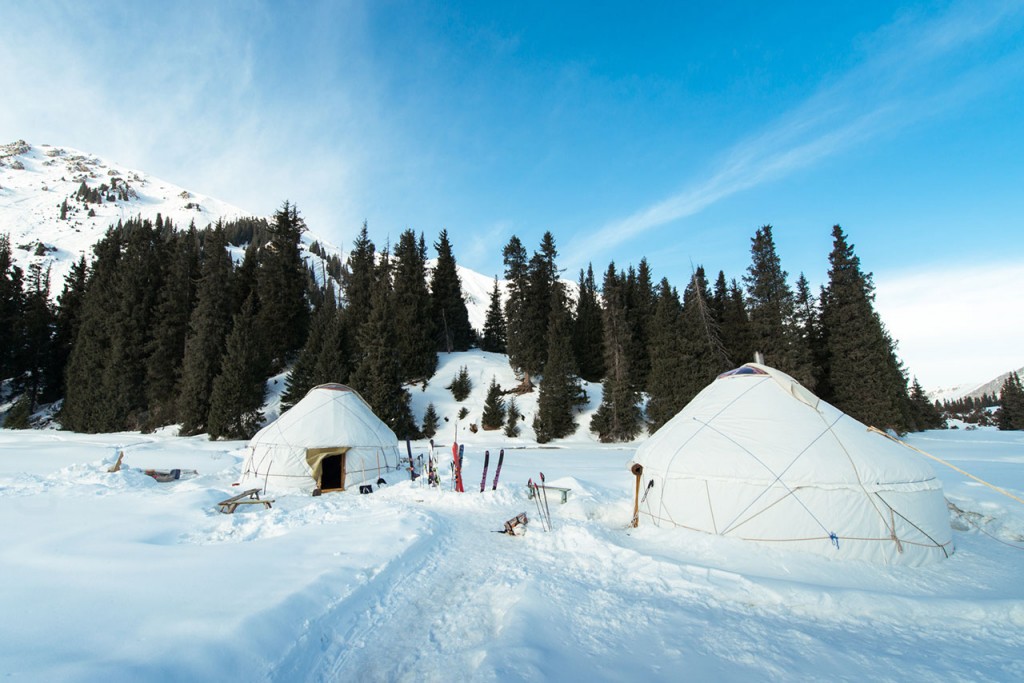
x=497, y=472
x=483, y=479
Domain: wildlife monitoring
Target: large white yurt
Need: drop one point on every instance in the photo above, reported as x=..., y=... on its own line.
x=330, y=440
x=758, y=457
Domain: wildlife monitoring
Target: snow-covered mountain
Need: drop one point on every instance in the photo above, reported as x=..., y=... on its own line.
x=973, y=390
x=49, y=221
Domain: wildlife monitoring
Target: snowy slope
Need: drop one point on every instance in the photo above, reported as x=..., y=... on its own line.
x=974, y=390
x=111, y=576
x=36, y=180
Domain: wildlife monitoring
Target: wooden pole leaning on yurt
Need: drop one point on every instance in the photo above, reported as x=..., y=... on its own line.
x=637, y=469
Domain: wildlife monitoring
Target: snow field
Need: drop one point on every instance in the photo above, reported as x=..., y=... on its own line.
x=114, y=576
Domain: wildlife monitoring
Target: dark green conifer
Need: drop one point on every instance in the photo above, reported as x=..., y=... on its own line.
x=494, y=324
x=702, y=353
x=430, y=421
x=559, y=388
x=209, y=325
x=451, y=316
x=302, y=376
x=358, y=287
x=494, y=408
x=377, y=376
x=664, y=383
x=1011, y=404
x=771, y=308
x=516, y=307
x=283, y=310
x=618, y=416
x=236, y=399
x=865, y=377
x=512, y=418
x=417, y=350
x=588, y=330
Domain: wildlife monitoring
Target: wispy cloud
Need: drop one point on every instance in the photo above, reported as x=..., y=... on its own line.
x=912, y=70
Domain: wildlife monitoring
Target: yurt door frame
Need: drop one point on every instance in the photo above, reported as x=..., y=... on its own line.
x=328, y=465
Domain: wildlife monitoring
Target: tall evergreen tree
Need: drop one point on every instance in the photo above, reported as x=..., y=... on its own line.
x=236, y=398
x=771, y=306
x=664, y=386
x=559, y=388
x=807, y=324
x=702, y=353
x=864, y=374
x=450, y=313
x=417, y=352
x=377, y=376
x=430, y=421
x=640, y=302
x=67, y=320
x=588, y=330
x=618, y=416
x=924, y=413
x=302, y=376
x=283, y=311
x=494, y=324
x=334, y=364
x=11, y=296
x=36, y=338
x=174, y=304
x=358, y=280
x=1011, y=404
x=516, y=306
x=209, y=325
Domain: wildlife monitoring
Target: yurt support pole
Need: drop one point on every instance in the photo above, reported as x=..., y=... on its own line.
x=638, y=471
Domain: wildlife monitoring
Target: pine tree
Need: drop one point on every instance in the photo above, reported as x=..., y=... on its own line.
x=559, y=388
x=640, y=302
x=36, y=334
x=283, y=311
x=430, y=421
x=1011, y=404
x=450, y=313
x=334, y=364
x=302, y=376
x=494, y=408
x=494, y=324
x=864, y=374
x=588, y=330
x=236, y=399
x=618, y=416
x=417, y=352
x=209, y=325
x=807, y=324
x=513, y=417
x=771, y=307
x=735, y=327
x=358, y=281
x=664, y=385
x=461, y=385
x=175, y=301
x=925, y=415
x=516, y=322
x=702, y=354
x=66, y=323
x=377, y=376
x=11, y=294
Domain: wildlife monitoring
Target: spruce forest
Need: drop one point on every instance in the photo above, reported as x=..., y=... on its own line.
x=164, y=326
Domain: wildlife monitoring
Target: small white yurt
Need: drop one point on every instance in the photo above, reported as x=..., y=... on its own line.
x=330, y=440
x=758, y=457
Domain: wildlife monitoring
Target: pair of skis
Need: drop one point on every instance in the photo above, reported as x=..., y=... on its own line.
x=543, y=511
x=497, y=471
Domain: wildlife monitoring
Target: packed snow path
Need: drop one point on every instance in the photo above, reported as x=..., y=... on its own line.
x=114, y=577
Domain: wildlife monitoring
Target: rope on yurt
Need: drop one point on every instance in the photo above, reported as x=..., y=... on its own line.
x=893, y=511
x=778, y=479
x=947, y=464
x=853, y=468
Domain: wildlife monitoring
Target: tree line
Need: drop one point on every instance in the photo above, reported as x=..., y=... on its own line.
x=164, y=327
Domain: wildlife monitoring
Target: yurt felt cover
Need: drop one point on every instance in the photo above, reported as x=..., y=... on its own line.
x=757, y=456
x=330, y=419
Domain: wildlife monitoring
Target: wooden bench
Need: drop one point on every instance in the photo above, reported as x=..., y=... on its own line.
x=250, y=497
x=563, y=491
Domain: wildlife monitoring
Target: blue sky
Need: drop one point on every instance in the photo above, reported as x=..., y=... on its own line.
x=665, y=130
